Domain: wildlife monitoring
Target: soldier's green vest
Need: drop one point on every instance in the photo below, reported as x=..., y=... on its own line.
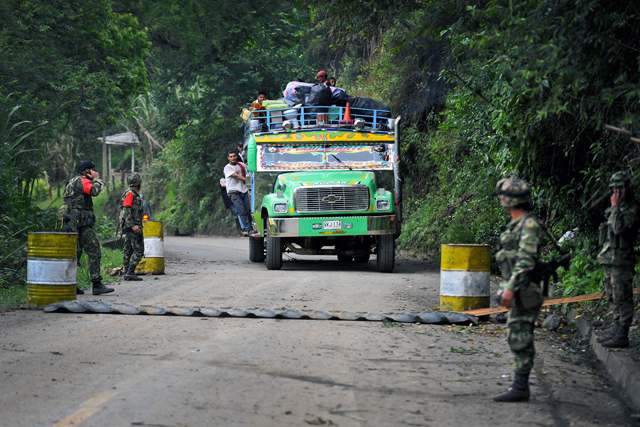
x=530, y=295
x=77, y=210
x=617, y=249
x=507, y=256
x=137, y=210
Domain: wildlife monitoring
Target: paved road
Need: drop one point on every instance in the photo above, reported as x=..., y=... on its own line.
x=108, y=370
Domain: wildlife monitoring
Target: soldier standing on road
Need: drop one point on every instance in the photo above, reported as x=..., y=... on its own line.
x=521, y=244
x=131, y=214
x=617, y=237
x=78, y=194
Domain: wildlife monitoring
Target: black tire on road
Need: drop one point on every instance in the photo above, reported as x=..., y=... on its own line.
x=362, y=259
x=256, y=249
x=273, y=260
x=386, y=253
x=344, y=258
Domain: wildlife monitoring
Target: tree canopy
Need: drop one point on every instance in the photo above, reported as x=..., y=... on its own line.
x=490, y=89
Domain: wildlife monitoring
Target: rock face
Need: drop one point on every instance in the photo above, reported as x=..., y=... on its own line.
x=552, y=322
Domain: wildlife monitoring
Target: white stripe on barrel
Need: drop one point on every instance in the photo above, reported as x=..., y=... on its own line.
x=153, y=247
x=52, y=271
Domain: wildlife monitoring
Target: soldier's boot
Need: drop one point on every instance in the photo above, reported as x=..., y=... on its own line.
x=79, y=291
x=131, y=274
x=99, y=288
x=621, y=340
x=518, y=392
x=610, y=335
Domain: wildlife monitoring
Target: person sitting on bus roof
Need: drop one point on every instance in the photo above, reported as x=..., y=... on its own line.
x=323, y=77
x=332, y=81
x=257, y=104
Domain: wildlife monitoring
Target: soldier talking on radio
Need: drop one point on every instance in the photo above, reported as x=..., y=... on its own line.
x=617, y=237
x=79, y=217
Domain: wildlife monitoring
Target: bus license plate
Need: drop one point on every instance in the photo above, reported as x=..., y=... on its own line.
x=332, y=225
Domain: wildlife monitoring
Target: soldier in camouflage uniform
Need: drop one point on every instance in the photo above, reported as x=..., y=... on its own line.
x=78, y=195
x=521, y=244
x=617, y=237
x=131, y=214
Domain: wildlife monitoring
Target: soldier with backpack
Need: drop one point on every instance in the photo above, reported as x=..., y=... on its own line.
x=131, y=212
x=79, y=217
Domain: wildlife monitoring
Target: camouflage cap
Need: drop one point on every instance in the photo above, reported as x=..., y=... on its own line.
x=134, y=179
x=620, y=179
x=513, y=192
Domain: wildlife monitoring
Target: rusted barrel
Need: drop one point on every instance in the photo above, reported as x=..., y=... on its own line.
x=153, y=261
x=464, y=277
x=52, y=268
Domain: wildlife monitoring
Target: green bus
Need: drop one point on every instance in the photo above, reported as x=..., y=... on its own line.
x=319, y=187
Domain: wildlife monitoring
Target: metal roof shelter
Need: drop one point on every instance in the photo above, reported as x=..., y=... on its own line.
x=127, y=138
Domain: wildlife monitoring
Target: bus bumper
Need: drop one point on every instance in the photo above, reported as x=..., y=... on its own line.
x=332, y=226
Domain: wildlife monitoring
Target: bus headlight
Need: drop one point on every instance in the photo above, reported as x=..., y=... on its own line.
x=280, y=208
x=383, y=205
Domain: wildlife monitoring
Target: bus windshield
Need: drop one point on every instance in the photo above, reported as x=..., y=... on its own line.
x=328, y=156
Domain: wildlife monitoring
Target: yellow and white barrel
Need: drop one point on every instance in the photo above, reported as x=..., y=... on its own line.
x=52, y=269
x=153, y=261
x=464, y=277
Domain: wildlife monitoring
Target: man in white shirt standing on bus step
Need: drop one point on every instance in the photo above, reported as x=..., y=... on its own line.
x=236, y=175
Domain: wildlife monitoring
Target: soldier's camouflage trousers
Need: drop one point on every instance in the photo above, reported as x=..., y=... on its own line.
x=618, y=285
x=520, y=336
x=88, y=240
x=133, y=250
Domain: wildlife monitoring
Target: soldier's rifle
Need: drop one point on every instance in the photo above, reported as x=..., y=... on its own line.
x=599, y=301
x=71, y=217
x=545, y=270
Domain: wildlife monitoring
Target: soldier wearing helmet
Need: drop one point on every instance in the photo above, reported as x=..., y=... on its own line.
x=78, y=216
x=617, y=235
x=521, y=244
x=131, y=220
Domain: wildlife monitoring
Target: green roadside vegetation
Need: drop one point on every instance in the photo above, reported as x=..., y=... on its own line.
x=499, y=89
x=486, y=90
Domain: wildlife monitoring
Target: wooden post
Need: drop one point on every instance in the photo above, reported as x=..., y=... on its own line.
x=104, y=158
x=114, y=185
